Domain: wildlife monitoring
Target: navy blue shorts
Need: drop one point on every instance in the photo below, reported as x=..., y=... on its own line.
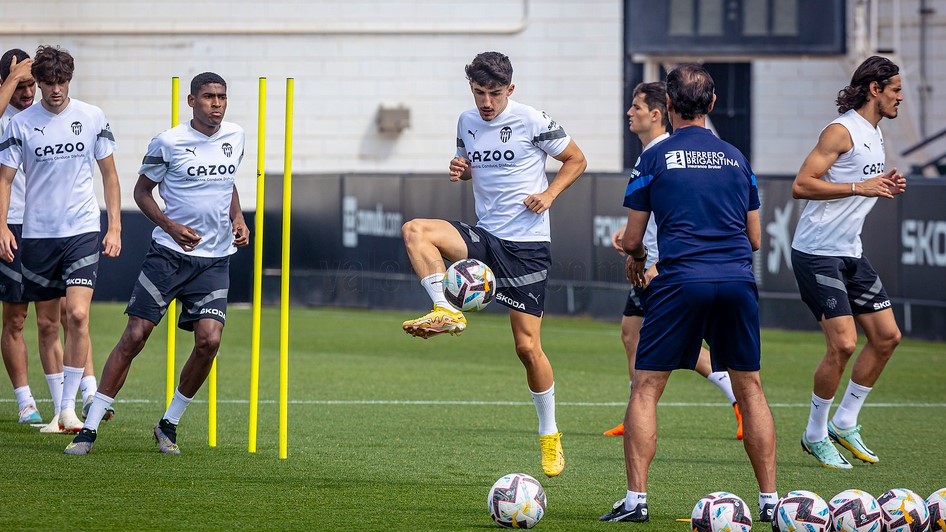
x=50, y=265
x=838, y=286
x=11, y=276
x=521, y=268
x=635, y=302
x=201, y=284
x=680, y=316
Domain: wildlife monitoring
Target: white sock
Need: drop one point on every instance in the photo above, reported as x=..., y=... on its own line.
x=634, y=499
x=433, y=284
x=70, y=386
x=87, y=387
x=24, y=397
x=545, y=408
x=100, y=404
x=767, y=498
x=845, y=417
x=817, y=429
x=54, y=380
x=177, y=407
x=721, y=380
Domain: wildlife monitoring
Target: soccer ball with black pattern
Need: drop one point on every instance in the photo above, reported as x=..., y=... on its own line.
x=469, y=285
x=855, y=511
x=936, y=504
x=903, y=511
x=516, y=501
x=802, y=511
x=720, y=511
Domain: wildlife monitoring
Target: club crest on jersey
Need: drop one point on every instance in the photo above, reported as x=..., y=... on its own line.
x=227, y=149
x=505, y=133
x=77, y=127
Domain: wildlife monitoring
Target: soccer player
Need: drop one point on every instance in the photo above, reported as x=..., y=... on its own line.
x=193, y=165
x=647, y=118
x=502, y=146
x=705, y=201
x=58, y=143
x=842, y=178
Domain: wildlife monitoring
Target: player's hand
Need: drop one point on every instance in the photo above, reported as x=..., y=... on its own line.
x=7, y=244
x=241, y=234
x=112, y=243
x=899, y=183
x=21, y=71
x=539, y=203
x=650, y=274
x=617, y=238
x=879, y=186
x=185, y=237
x=635, y=272
x=458, y=165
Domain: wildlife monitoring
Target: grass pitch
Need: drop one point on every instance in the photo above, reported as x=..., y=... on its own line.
x=389, y=432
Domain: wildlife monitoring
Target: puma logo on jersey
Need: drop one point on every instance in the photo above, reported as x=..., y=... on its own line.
x=472, y=133
x=866, y=145
x=193, y=151
x=40, y=129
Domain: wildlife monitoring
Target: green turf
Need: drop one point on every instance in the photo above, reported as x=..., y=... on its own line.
x=388, y=432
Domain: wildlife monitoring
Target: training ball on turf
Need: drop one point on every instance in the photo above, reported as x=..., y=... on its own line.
x=936, y=504
x=720, y=511
x=802, y=511
x=469, y=285
x=903, y=511
x=516, y=501
x=855, y=511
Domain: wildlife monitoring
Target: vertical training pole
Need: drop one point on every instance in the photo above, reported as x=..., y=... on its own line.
x=284, y=281
x=257, y=263
x=172, y=306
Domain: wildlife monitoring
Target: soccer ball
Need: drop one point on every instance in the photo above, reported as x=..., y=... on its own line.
x=516, y=501
x=801, y=510
x=469, y=285
x=720, y=511
x=903, y=511
x=936, y=503
x=855, y=511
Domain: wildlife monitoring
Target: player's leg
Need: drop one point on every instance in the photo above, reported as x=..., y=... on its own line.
x=14, y=352
x=427, y=242
x=50, y=354
x=704, y=367
x=75, y=352
x=759, y=440
x=630, y=336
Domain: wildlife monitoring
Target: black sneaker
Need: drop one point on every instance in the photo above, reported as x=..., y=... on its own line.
x=82, y=443
x=619, y=514
x=165, y=433
x=767, y=513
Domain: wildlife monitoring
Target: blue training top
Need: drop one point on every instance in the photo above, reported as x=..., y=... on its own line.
x=700, y=190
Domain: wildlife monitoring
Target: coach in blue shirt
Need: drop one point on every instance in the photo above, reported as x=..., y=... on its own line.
x=705, y=201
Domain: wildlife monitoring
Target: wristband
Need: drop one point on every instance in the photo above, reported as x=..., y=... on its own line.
x=853, y=190
x=641, y=258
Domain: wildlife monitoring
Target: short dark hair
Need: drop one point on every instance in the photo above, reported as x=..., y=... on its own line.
x=53, y=64
x=691, y=90
x=7, y=60
x=490, y=69
x=655, y=96
x=874, y=68
x=205, y=78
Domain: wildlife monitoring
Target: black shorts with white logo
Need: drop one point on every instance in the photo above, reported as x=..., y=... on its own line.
x=11, y=276
x=838, y=286
x=201, y=284
x=51, y=265
x=635, y=302
x=521, y=268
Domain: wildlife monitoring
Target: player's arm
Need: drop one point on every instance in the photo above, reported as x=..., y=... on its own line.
x=185, y=237
x=834, y=141
x=460, y=169
x=633, y=243
x=241, y=233
x=7, y=240
x=754, y=229
x=18, y=72
x=573, y=165
x=112, y=244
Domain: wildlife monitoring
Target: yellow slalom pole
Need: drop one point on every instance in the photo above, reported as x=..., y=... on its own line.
x=172, y=306
x=257, y=264
x=212, y=406
x=284, y=281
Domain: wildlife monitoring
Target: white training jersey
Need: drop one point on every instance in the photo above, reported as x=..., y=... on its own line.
x=507, y=158
x=195, y=176
x=650, y=234
x=833, y=227
x=58, y=154
x=18, y=189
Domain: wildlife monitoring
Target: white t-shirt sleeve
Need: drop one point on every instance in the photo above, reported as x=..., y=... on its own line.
x=461, y=147
x=155, y=164
x=104, y=140
x=547, y=134
x=11, y=148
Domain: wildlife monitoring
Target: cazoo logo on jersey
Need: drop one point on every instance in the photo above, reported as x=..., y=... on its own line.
x=375, y=222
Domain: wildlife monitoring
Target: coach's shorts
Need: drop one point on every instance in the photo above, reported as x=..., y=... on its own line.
x=635, y=302
x=521, y=268
x=838, y=286
x=11, y=276
x=680, y=316
x=201, y=284
x=50, y=265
